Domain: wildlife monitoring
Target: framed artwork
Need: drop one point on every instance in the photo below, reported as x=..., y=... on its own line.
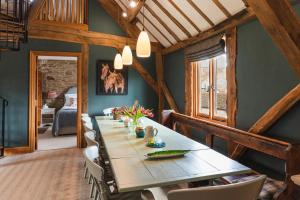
x=109, y=80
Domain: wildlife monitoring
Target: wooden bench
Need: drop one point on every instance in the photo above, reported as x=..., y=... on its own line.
x=288, y=152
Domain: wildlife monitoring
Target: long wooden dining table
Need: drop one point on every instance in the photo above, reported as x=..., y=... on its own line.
x=134, y=172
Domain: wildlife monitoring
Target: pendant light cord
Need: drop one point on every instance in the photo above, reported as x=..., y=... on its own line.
x=143, y=1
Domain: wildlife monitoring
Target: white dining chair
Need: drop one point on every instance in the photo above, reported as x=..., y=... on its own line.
x=247, y=190
x=90, y=138
x=84, y=115
x=91, y=153
x=104, y=190
x=86, y=119
x=108, y=111
x=88, y=127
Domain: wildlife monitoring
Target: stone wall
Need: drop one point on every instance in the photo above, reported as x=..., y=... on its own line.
x=58, y=76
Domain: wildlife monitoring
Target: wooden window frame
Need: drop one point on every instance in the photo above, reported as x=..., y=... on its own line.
x=211, y=116
x=191, y=85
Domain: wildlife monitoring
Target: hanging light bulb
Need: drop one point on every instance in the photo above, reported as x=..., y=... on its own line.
x=118, y=64
x=132, y=4
x=127, y=55
x=143, y=45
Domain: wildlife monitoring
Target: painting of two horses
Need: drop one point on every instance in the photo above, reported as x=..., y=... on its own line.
x=111, y=81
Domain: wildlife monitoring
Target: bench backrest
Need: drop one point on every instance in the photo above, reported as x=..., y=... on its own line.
x=286, y=151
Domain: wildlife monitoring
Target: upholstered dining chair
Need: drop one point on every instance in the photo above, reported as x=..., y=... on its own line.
x=247, y=190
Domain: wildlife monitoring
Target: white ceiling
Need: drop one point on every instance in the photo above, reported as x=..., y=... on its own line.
x=167, y=35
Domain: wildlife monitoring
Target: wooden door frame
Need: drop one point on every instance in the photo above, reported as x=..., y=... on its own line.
x=32, y=128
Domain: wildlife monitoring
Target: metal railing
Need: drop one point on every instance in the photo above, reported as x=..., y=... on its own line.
x=13, y=23
x=2, y=144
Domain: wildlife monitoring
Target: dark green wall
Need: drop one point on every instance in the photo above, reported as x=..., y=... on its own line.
x=263, y=77
x=138, y=89
x=14, y=85
x=14, y=77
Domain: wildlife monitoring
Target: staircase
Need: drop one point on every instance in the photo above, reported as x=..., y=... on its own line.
x=13, y=23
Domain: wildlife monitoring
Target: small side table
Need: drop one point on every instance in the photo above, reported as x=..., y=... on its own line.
x=47, y=116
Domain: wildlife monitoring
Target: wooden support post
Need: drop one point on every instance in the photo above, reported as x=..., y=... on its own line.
x=231, y=46
x=84, y=87
x=169, y=97
x=84, y=77
x=283, y=25
x=271, y=116
x=160, y=78
x=174, y=107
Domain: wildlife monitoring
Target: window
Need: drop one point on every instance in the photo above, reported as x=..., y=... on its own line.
x=210, y=96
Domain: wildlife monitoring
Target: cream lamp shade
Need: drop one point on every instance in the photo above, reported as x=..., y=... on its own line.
x=143, y=46
x=127, y=55
x=118, y=63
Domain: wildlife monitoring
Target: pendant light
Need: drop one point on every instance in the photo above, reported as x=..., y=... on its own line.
x=127, y=55
x=143, y=46
x=118, y=63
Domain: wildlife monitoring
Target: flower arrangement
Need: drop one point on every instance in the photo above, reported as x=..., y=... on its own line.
x=136, y=111
x=117, y=112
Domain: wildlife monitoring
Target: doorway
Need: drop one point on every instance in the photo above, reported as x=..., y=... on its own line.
x=55, y=100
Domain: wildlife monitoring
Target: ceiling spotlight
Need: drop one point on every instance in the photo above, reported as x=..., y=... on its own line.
x=132, y=4
x=124, y=14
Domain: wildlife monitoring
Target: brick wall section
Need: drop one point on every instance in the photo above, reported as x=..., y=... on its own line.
x=58, y=76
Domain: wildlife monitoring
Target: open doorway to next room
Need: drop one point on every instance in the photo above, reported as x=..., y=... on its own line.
x=57, y=102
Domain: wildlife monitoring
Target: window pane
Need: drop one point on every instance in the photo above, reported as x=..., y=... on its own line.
x=220, y=91
x=203, y=87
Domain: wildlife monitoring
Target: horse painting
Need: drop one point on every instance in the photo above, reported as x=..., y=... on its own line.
x=111, y=81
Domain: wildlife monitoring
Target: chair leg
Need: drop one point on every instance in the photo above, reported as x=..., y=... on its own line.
x=96, y=197
x=85, y=172
x=92, y=189
x=90, y=179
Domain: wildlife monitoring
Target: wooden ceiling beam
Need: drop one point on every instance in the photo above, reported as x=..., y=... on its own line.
x=151, y=22
x=162, y=23
x=182, y=28
x=200, y=12
x=283, y=25
x=271, y=116
x=145, y=74
x=184, y=15
x=133, y=12
x=69, y=34
x=240, y=18
x=115, y=11
x=222, y=8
